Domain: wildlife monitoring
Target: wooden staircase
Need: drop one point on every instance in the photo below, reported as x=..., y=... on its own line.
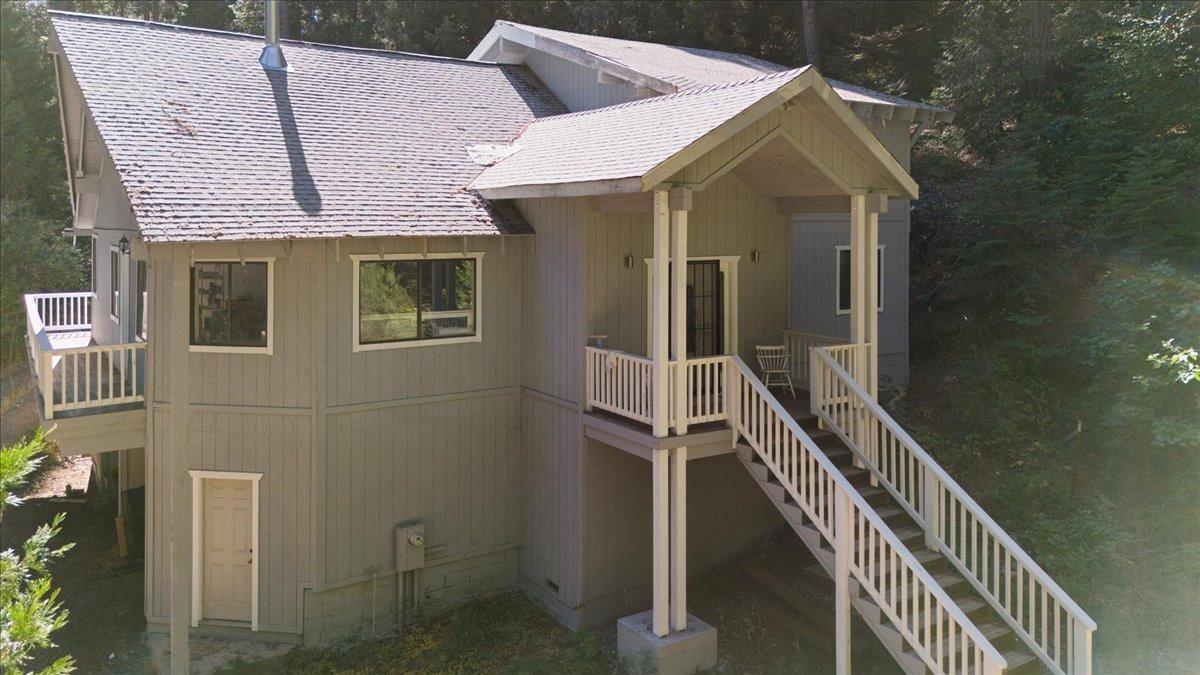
x=1019, y=657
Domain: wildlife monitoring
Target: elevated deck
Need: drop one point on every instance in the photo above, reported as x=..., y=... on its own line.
x=91, y=397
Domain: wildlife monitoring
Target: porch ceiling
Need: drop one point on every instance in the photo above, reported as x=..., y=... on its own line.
x=777, y=169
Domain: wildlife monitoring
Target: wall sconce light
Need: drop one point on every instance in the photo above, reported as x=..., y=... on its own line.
x=123, y=245
x=629, y=261
x=755, y=255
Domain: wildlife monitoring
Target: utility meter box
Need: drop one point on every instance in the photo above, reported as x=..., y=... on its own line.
x=410, y=545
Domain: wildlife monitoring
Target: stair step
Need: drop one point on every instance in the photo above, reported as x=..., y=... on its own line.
x=806, y=420
x=1021, y=661
x=875, y=495
x=857, y=477
x=973, y=606
x=840, y=457
x=993, y=631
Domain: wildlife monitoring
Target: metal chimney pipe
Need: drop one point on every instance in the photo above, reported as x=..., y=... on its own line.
x=271, y=57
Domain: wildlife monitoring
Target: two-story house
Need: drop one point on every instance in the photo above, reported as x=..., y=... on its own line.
x=382, y=332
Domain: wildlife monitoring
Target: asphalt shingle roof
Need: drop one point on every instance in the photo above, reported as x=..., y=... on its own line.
x=626, y=140
x=349, y=142
x=688, y=67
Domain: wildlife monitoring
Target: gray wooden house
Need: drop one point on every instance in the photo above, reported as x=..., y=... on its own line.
x=382, y=332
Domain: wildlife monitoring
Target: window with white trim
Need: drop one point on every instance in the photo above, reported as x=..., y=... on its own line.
x=843, y=280
x=403, y=300
x=231, y=306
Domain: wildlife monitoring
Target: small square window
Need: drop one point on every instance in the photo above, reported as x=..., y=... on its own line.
x=231, y=304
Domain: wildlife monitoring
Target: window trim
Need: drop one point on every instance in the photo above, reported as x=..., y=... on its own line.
x=114, y=284
x=837, y=279
x=358, y=259
x=218, y=349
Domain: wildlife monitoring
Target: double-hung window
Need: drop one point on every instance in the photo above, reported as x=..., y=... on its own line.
x=231, y=306
x=405, y=300
x=843, y=280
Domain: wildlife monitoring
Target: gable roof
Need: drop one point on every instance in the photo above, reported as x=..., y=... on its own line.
x=669, y=69
x=348, y=143
x=626, y=147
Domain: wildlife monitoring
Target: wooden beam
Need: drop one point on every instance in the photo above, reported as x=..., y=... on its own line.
x=660, y=588
x=819, y=204
x=634, y=202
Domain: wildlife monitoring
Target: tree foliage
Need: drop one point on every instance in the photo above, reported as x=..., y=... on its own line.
x=1054, y=254
x=29, y=608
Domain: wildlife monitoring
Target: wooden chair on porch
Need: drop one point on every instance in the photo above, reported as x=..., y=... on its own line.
x=775, y=364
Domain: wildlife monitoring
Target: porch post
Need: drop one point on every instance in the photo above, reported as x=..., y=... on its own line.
x=875, y=204
x=680, y=203
x=859, y=331
x=658, y=349
x=181, y=482
x=679, y=539
x=660, y=529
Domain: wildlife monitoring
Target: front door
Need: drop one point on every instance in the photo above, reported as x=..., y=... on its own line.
x=705, y=308
x=227, y=549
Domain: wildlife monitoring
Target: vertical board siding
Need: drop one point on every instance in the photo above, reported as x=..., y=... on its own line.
x=727, y=219
x=813, y=303
x=575, y=85
x=552, y=366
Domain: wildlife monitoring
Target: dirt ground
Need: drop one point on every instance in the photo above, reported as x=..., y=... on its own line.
x=102, y=592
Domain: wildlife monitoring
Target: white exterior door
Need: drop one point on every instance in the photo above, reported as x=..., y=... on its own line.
x=228, y=551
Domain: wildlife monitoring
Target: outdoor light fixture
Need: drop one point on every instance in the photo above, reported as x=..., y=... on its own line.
x=629, y=261
x=123, y=245
x=755, y=254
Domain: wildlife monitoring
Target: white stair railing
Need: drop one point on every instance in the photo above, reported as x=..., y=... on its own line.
x=865, y=548
x=1024, y=595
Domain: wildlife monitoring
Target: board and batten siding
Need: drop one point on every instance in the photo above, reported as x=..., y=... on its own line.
x=727, y=219
x=578, y=87
x=350, y=443
x=552, y=385
x=813, y=306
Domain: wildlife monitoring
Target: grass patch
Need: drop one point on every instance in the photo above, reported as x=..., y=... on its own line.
x=504, y=634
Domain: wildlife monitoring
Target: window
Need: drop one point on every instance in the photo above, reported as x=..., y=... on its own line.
x=114, y=283
x=231, y=306
x=406, y=300
x=843, y=278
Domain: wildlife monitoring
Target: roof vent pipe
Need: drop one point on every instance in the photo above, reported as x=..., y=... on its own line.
x=271, y=57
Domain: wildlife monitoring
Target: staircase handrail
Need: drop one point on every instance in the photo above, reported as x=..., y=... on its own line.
x=980, y=642
x=872, y=407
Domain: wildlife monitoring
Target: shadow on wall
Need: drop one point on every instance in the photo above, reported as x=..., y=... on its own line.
x=303, y=187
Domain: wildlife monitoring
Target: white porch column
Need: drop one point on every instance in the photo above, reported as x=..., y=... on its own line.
x=661, y=535
x=859, y=330
x=875, y=204
x=679, y=539
x=659, y=314
x=680, y=203
x=181, y=482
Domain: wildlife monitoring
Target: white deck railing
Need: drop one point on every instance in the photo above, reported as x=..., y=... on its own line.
x=1040, y=612
x=798, y=345
x=84, y=376
x=622, y=383
x=865, y=548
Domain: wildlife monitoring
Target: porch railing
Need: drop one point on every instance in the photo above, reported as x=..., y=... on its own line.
x=1020, y=591
x=623, y=384
x=78, y=377
x=798, y=345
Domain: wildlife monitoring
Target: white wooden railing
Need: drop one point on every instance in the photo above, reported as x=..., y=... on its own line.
x=798, y=345
x=1040, y=612
x=622, y=383
x=865, y=548
x=74, y=378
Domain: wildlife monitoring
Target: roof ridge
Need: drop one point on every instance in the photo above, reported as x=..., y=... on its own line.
x=691, y=91
x=306, y=43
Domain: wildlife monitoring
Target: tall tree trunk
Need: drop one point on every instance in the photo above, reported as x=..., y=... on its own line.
x=1041, y=15
x=808, y=14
